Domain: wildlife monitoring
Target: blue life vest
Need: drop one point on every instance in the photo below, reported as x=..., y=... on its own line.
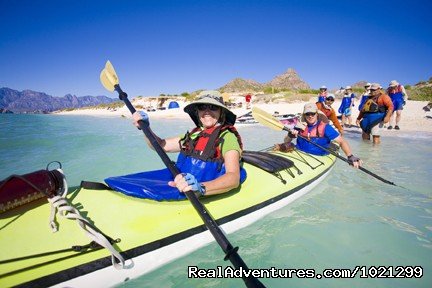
x=154, y=184
x=346, y=103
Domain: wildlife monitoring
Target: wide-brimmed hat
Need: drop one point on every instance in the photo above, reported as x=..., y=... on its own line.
x=209, y=97
x=323, y=87
x=312, y=108
x=348, y=88
x=393, y=83
x=375, y=86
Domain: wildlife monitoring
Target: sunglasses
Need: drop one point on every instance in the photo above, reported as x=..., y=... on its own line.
x=211, y=107
x=309, y=114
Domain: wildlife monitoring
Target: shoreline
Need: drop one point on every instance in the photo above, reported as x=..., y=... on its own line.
x=413, y=116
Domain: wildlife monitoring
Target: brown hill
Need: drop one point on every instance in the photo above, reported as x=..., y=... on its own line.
x=288, y=80
x=241, y=85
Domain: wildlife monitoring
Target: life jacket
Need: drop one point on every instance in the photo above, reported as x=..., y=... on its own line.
x=201, y=158
x=371, y=106
x=395, y=92
x=373, y=114
x=314, y=134
x=206, y=144
x=322, y=107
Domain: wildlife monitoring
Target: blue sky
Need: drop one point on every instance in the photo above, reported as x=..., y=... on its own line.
x=60, y=47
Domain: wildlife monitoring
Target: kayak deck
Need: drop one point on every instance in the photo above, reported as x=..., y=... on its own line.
x=142, y=225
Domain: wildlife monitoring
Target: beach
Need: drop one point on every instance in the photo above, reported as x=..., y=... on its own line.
x=414, y=118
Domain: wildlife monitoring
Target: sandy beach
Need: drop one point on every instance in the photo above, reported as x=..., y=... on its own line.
x=414, y=118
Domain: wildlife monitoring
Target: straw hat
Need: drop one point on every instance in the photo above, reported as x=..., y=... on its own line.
x=312, y=108
x=209, y=97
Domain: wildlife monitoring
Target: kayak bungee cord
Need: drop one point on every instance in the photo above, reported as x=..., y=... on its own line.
x=55, y=188
x=110, y=81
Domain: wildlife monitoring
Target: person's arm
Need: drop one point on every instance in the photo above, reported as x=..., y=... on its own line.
x=356, y=162
x=169, y=144
x=336, y=122
x=405, y=95
x=359, y=117
x=389, y=104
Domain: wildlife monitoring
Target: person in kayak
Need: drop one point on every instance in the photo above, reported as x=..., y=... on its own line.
x=376, y=111
x=399, y=97
x=365, y=96
x=318, y=131
x=210, y=154
x=322, y=94
x=330, y=113
x=345, y=107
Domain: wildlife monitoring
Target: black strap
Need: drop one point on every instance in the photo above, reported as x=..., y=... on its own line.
x=94, y=185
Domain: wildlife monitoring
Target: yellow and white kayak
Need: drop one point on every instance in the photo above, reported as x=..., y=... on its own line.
x=150, y=233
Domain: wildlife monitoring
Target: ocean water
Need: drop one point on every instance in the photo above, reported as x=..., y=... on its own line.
x=350, y=220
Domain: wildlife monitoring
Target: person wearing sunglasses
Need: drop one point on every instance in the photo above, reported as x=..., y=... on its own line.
x=318, y=131
x=210, y=154
x=375, y=112
x=329, y=112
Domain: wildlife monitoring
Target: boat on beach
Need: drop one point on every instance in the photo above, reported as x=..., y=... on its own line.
x=146, y=233
x=286, y=119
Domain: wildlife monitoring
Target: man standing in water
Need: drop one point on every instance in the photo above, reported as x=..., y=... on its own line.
x=376, y=111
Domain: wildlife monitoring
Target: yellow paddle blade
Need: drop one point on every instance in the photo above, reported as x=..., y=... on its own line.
x=105, y=81
x=266, y=119
x=109, y=77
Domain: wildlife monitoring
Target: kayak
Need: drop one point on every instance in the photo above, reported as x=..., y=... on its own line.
x=147, y=233
x=286, y=119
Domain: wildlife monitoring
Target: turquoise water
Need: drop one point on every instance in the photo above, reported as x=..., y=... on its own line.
x=350, y=219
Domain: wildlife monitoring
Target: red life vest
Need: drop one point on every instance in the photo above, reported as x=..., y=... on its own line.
x=206, y=145
x=316, y=131
x=395, y=90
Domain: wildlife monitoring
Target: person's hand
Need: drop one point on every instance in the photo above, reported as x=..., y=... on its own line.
x=187, y=182
x=386, y=119
x=140, y=115
x=358, y=122
x=300, y=126
x=354, y=161
x=293, y=133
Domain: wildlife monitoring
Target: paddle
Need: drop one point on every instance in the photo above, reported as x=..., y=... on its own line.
x=110, y=81
x=268, y=120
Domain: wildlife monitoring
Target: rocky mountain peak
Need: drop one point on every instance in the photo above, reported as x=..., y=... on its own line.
x=288, y=80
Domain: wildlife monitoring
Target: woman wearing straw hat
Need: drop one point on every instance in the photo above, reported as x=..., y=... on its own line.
x=210, y=154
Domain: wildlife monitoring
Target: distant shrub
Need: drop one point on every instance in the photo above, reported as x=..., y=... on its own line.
x=308, y=91
x=420, y=93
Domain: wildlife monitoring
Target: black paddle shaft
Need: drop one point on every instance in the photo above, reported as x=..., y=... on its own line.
x=344, y=159
x=230, y=251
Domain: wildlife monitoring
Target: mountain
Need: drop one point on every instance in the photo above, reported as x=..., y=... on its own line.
x=239, y=84
x=288, y=80
x=29, y=101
